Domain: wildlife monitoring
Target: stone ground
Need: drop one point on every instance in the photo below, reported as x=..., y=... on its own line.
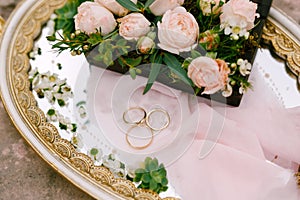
x=23, y=174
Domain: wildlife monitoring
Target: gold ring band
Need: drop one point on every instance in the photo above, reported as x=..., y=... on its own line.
x=158, y=110
x=134, y=122
x=139, y=147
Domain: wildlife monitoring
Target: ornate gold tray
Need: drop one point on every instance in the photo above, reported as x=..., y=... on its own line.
x=56, y=147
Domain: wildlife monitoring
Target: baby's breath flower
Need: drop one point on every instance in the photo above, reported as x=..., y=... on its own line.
x=117, y=167
x=227, y=92
x=242, y=89
x=244, y=67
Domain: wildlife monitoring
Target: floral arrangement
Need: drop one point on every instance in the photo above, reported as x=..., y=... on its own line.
x=202, y=43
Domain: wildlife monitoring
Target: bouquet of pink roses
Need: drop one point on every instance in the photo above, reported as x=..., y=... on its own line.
x=194, y=46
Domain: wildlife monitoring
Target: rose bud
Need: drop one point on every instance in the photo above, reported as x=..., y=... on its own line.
x=145, y=45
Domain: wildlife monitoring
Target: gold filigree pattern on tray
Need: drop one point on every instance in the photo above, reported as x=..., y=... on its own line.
x=283, y=46
x=18, y=67
x=2, y=22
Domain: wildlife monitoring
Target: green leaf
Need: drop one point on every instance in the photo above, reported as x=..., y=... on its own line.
x=153, y=184
x=74, y=128
x=144, y=185
x=186, y=63
x=138, y=174
x=155, y=162
x=164, y=188
x=62, y=126
x=94, y=151
x=154, y=71
x=95, y=39
x=195, y=54
x=146, y=178
x=129, y=5
x=121, y=42
x=152, y=166
x=51, y=112
x=162, y=171
x=140, y=171
x=108, y=58
x=155, y=175
x=175, y=66
x=61, y=102
x=148, y=3
x=164, y=181
x=133, y=62
x=51, y=38
x=147, y=161
x=212, y=55
x=132, y=73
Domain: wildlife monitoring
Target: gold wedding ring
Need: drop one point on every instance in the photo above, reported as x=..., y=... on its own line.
x=154, y=111
x=137, y=121
x=138, y=147
x=143, y=119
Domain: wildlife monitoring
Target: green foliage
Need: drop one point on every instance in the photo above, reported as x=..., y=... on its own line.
x=176, y=67
x=156, y=61
x=129, y=5
x=51, y=112
x=148, y=3
x=112, y=48
x=152, y=176
x=115, y=48
x=77, y=42
x=94, y=151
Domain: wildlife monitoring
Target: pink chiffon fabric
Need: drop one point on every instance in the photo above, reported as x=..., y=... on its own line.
x=249, y=152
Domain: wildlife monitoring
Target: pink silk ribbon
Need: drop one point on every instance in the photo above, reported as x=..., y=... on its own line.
x=211, y=151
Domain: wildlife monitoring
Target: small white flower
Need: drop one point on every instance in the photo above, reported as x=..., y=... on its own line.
x=36, y=80
x=131, y=172
x=33, y=72
x=77, y=141
x=49, y=96
x=82, y=111
x=70, y=126
x=241, y=90
x=61, y=82
x=244, y=67
x=58, y=96
x=114, y=165
x=56, y=88
x=228, y=91
x=60, y=117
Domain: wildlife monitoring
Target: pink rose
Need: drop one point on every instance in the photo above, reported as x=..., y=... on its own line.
x=206, y=6
x=159, y=7
x=208, y=73
x=92, y=17
x=134, y=26
x=178, y=31
x=238, y=17
x=114, y=6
